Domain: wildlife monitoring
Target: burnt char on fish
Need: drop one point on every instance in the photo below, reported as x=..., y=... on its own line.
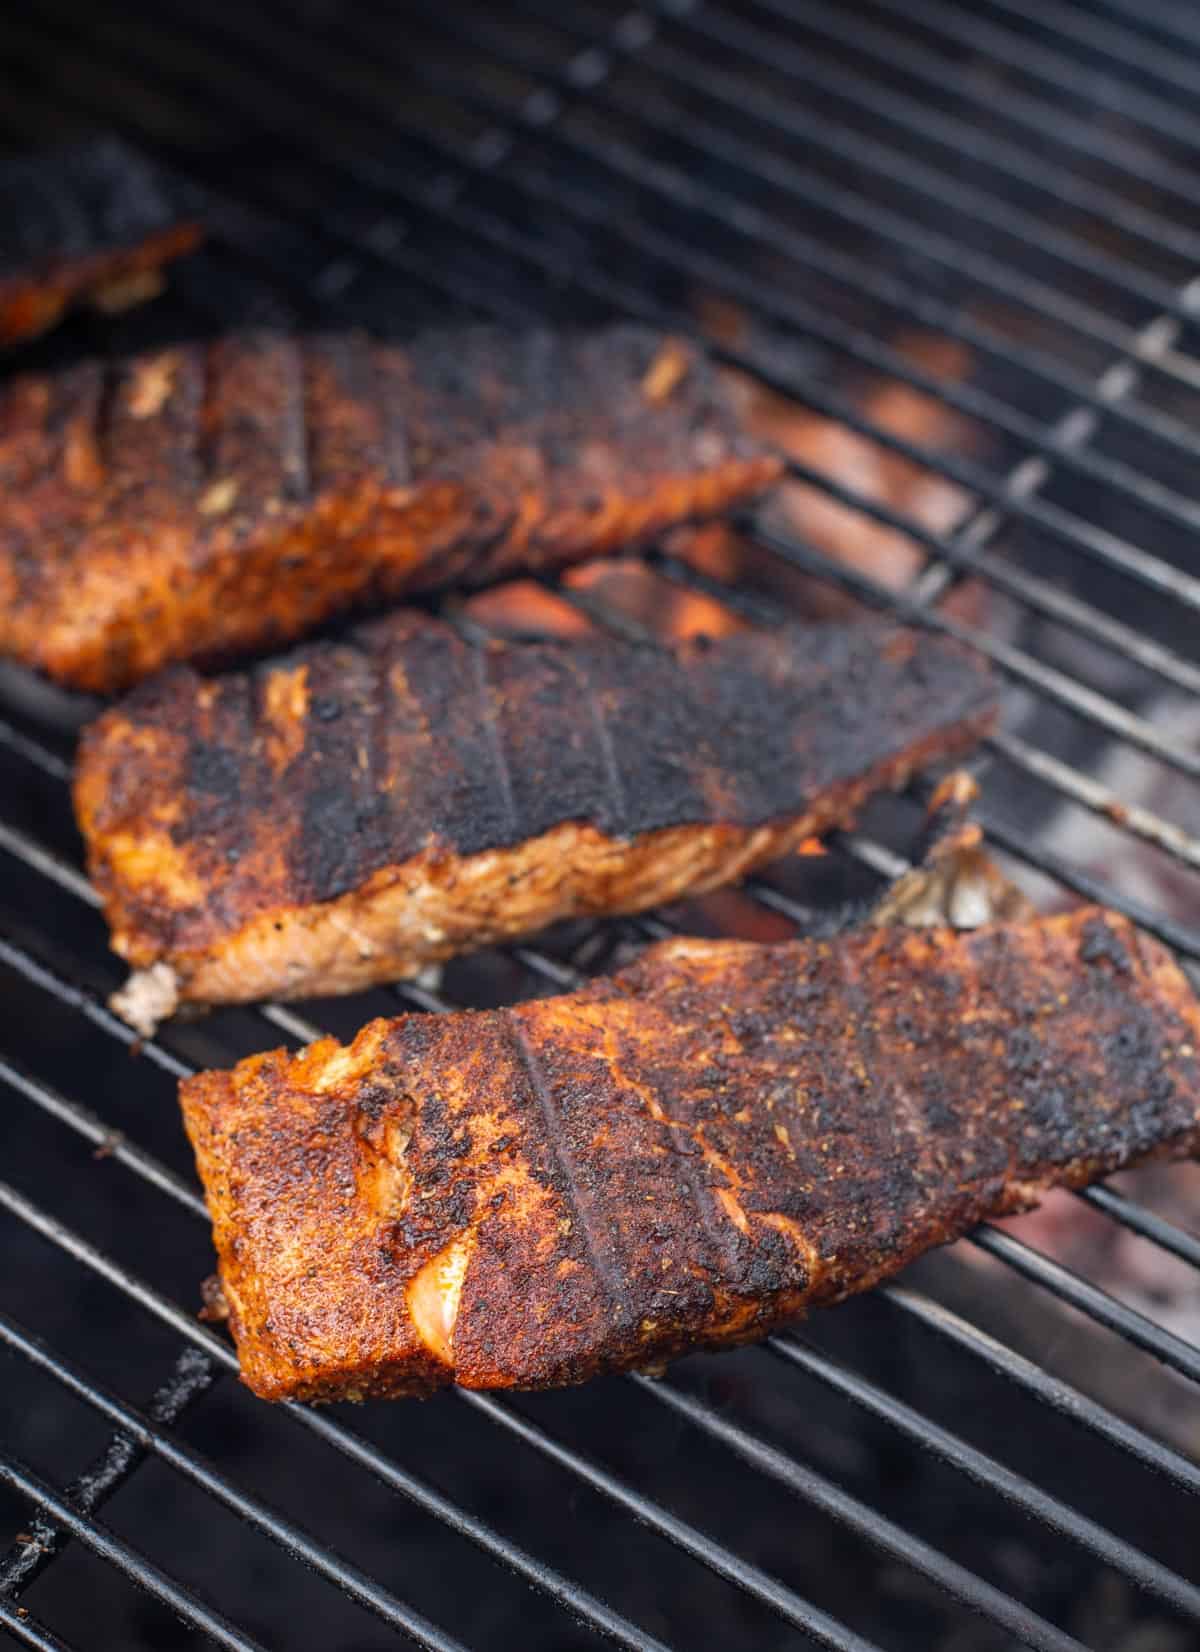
x=683, y=1156
x=220, y=498
x=94, y=222
x=356, y=810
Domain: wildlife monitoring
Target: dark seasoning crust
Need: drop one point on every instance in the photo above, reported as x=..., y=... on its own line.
x=407, y=748
x=683, y=1156
x=90, y=222
x=223, y=498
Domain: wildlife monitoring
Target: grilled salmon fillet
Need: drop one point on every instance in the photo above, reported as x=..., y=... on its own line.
x=680, y=1157
x=221, y=497
x=357, y=810
x=92, y=223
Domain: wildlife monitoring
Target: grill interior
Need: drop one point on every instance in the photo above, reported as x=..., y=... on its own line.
x=984, y=216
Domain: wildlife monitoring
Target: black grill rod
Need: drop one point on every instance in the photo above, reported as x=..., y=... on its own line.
x=889, y=163
x=1087, y=1413
x=985, y=1471
x=112, y=1144
x=104, y=1543
x=1165, y=20
x=989, y=272
x=1186, y=1246
x=1089, y=1299
x=1056, y=70
x=1125, y=47
x=818, y=1625
x=951, y=133
x=1148, y=1574
x=1052, y=126
x=1014, y=1367
x=883, y=1534
x=36, y=1550
x=28, y=1630
x=150, y=1434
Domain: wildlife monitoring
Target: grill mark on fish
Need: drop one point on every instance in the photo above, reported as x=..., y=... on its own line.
x=485, y=696
x=618, y=803
x=295, y=456
x=594, y=1227
x=393, y=425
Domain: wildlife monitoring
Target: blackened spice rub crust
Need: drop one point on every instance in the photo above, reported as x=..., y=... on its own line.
x=355, y=811
x=220, y=498
x=681, y=1157
x=92, y=223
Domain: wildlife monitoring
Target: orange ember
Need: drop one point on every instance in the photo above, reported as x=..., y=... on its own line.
x=524, y=608
x=639, y=594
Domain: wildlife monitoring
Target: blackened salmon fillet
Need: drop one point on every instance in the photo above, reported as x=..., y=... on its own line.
x=222, y=497
x=680, y=1157
x=352, y=812
x=91, y=223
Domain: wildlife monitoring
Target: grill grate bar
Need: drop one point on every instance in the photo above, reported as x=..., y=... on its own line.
x=957, y=137
x=1181, y=1356
x=136, y=1567
x=28, y=1631
x=840, y=142
x=145, y=1435
x=1169, y=22
x=1048, y=1390
x=822, y=1493
x=1052, y=68
x=987, y=1471
x=33, y=1553
x=1050, y=123
x=1118, y=44
x=1186, y=1246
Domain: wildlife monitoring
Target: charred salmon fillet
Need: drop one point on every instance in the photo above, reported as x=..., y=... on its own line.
x=219, y=498
x=680, y=1157
x=349, y=813
x=93, y=223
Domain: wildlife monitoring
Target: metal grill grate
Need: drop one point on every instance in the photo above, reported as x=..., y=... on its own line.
x=1018, y=180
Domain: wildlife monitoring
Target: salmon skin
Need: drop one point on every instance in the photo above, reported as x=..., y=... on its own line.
x=220, y=498
x=355, y=811
x=91, y=223
x=684, y=1156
